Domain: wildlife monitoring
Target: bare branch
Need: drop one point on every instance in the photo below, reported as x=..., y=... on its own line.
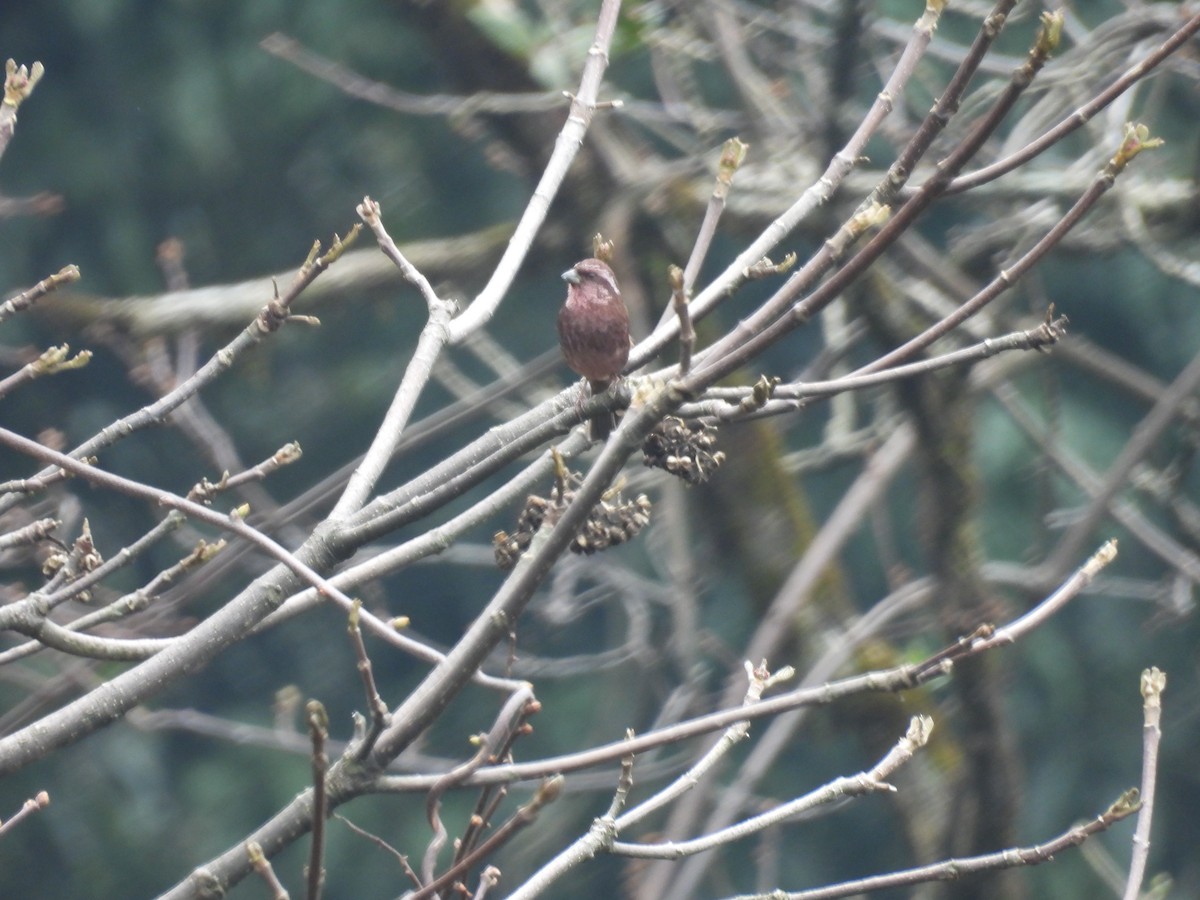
x=1154, y=682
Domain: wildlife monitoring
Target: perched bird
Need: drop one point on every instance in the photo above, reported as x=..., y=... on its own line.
x=593, y=329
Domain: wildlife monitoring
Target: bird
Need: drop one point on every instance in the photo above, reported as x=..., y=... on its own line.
x=593, y=330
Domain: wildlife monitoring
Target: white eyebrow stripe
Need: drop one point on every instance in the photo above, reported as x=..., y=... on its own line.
x=607, y=277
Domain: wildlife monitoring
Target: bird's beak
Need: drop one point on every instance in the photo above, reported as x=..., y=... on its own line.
x=571, y=275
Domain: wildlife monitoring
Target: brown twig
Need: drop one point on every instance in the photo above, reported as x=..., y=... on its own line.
x=318, y=731
x=378, y=709
x=1082, y=115
x=812, y=198
x=490, y=744
x=491, y=797
x=753, y=334
x=1136, y=140
x=987, y=638
x=733, y=154
x=206, y=491
x=383, y=845
x=525, y=816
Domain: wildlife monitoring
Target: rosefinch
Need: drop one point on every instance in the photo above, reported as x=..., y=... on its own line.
x=593, y=329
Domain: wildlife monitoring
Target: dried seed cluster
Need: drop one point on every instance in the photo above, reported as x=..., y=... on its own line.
x=612, y=521
x=683, y=451
x=509, y=547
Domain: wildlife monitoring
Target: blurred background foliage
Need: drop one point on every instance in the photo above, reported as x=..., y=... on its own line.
x=167, y=119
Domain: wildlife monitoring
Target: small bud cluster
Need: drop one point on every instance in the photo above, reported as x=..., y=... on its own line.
x=82, y=558
x=612, y=521
x=683, y=451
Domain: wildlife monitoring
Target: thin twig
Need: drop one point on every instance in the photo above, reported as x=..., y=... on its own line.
x=1082, y=115
x=205, y=491
x=378, y=709
x=687, y=334
x=525, y=816
x=760, y=680
x=261, y=865
x=898, y=678
x=870, y=781
x=28, y=808
x=1134, y=142
x=383, y=845
x=1045, y=335
x=753, y=334
x=490, y=744
x=504, y=735
x=432, y=340
x=1147, y=432
x=123, y=606
x=193, y=510
x=27, y=298
x=269, y=320
x=812, y=198
x=733, y=154
x=989, y=638
x=1153, y=683
x=954, y=869
x=318, y=731
x=51, y=362
x=570, y=139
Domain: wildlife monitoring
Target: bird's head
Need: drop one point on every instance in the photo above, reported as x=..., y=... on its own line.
x=592, y=272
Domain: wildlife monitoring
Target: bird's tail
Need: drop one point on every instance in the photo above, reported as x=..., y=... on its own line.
x=603, y=423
